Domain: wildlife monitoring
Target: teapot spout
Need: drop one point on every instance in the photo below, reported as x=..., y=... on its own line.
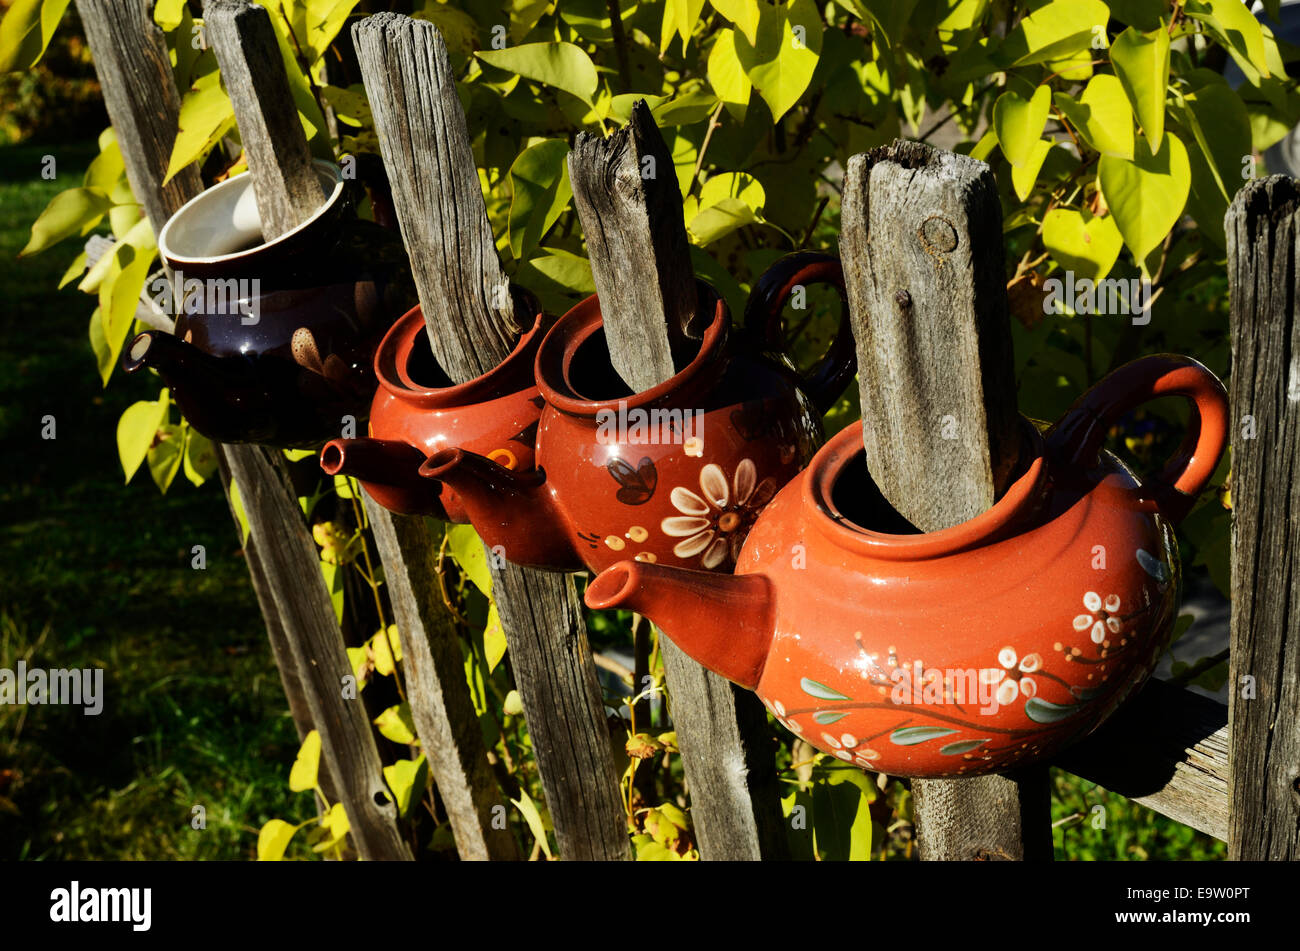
x=724, y=622
x=513, y=512
x=218, y=395
x=390, y=469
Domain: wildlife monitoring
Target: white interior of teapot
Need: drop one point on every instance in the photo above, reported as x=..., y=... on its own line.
x=224, y=220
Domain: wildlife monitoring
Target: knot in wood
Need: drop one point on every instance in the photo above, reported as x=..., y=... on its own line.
x=903, y=299
x=937, y=234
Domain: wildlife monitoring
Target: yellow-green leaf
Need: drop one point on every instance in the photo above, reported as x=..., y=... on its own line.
x=237, y=504
x=1146, y=195
x=407, y=779
x=1024, y=176
x=720, y=219
x=1053, y=31
x=1141, y=62
x=334, y=827
x=165, y=455
x=70, y=212
x=169, y=13
x=119, y=293
x=273, y=840
x=561, y=65
x=108, y=167
x=528, y=809
x=396, y=723
x=781, y=60
x=744, y=13
x=26, y=30
x=494, y=638
x=200, y=457
x=1019, y=123
x=467, y=548
x=1102, y=116
x=539, y=179
x=679, y=20
x=1237, y=30
x=306, y=766
x=727, y=75
x=382, y=651
x=206, y=115
x=74, y=270
x=1082, y=243
x=136, y=430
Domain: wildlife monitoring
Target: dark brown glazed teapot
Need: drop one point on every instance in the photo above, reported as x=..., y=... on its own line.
x=275, y=339
x=676, y=474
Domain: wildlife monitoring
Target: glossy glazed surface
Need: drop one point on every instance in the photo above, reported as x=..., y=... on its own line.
x=970, y=650
x=674, y=475
x=274, y=342
x=416, y=412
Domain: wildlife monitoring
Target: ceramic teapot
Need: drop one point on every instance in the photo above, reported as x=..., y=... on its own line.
x=275, y=339
x=417, y=411
x=675, y=474
x=963, y=651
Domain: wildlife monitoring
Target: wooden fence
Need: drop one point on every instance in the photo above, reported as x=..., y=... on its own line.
x=1232, y=772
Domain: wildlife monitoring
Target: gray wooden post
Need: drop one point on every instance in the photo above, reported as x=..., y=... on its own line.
x=631, y=215
x=921, y=244
x=134, y=72
x=287, y=188
x=1262, y=227
x=470, y=316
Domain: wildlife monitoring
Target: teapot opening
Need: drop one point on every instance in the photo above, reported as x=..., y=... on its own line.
x=422, y=368
x=858, y=499
x=591, y=373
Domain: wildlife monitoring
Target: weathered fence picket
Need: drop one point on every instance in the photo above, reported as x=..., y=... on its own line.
x=471, y=320
x=135, y=75
x=630, y=206
x=1263, y=231
x=921, y=243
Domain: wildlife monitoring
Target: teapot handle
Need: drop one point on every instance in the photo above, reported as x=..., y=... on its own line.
x=1076, y=438
x=826, y=380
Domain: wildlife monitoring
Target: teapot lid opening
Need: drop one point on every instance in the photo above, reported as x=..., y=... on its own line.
x=851, y=510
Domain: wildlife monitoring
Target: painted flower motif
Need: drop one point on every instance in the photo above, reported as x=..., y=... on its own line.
x=714, y=524
x=1012, y=678
x=1101, y=617
x=778, y=711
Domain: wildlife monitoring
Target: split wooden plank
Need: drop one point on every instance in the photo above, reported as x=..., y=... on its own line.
x=923, y=262
x=640, y=261
x=472, y=327
x=286, y=185
x=1263, y=231
x=626, y=194
x=1166, y=748
x=421, y=124
x=921, y=246
x=135, y=75
x=436, y=688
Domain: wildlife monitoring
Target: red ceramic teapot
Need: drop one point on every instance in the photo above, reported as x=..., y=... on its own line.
x=417, y=411
x=963, y=651
x=673, y=475
x=275, y=339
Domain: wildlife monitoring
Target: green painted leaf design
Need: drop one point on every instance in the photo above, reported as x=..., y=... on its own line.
x=826, y=717
x=911, y=735
x=820, y=691
x=962, y=746
x=1042, y=711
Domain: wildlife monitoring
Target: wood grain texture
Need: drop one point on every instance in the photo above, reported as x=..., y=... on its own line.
x=135, y=75
x=627, y=198
x=921, y=246
x=1166, y=748
x=134, y=72
x=642, y=270
x=434, y=670
x=1262, y=231
x=463, y=290
x=286, y=185
x=470, y=316
x=291, y=564
x=547, y=639
x=921, y=243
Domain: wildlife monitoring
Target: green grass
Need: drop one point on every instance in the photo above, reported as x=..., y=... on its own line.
x=95, y=573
